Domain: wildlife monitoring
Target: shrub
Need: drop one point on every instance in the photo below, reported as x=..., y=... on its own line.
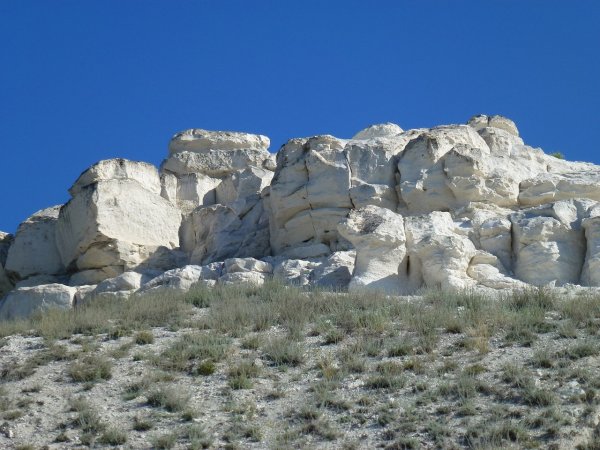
x=282, y=351
x=113, y=436
x=144, y=337
x=170, y=398
x=91, y=368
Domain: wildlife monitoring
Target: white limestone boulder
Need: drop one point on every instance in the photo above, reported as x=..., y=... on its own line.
x=483, y=121
x=488, y=271
x=200, y=141
x=379, y=130
x=493, y=235
x=182, y=279
x=378, y=236
x=34, y=250
x=245, y=270
x=241, y=190
x=373, y=172
x=26, y=301
x=119, y=169
x=95, y=276
x=438, y=254
x=335, y=271
x=234, y=265
x=297, y=272
x=117, y=223
x=128, y=281
x=548, y=242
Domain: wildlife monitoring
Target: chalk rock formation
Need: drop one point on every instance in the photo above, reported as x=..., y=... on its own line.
x=216, y=179
x=34, y=250
x=25, y=301
x=5, y=242
x=454, y=206
x=115, y=224
x=200, y=161
x=183, y=279
x=380, y=242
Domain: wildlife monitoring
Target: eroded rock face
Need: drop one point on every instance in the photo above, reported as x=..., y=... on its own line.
x=378, y=236
x=455, y=207
x=34, y=250
x=209, y=167
x=5, y=242
x=117, y=224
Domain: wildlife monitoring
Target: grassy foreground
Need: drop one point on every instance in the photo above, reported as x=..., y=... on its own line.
x=276, y=367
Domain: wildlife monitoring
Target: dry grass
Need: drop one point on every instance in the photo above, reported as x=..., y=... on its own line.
x=301, y=369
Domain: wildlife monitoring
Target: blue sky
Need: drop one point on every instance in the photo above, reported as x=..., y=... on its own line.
x=82, y=81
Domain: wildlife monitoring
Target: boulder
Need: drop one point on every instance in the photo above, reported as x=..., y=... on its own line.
x=487, y=270
x=34, y=250
x=234, y=265
x=548, y=243
x=378, y=236
x=438, y=255
x=373, y=172
x=182, y=279
x=252, y=278
x=245, y=270
x=117, y=223
x=95, y=276
x=126, y=282
x=296, y=272
x=119, y=169
x=380, y=130
x=201, y=141
x=335, y=271
x=483, y=121
x=25, y=301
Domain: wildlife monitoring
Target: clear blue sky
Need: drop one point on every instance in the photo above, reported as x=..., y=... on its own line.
x=82, y=81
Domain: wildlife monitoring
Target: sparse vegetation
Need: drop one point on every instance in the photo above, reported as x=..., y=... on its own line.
x=91, y=368
x=284, y=368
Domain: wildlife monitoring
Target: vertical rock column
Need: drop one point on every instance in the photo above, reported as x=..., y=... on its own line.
x=591, y=269
x=5, y=242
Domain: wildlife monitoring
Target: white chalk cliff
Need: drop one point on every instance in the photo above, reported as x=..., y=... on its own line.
x=456, y=206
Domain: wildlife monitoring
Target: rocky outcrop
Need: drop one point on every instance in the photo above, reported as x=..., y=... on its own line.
x=117, y=224
x=34, y=250
x=380, y=242
x=216, y=180
x=454, y=207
